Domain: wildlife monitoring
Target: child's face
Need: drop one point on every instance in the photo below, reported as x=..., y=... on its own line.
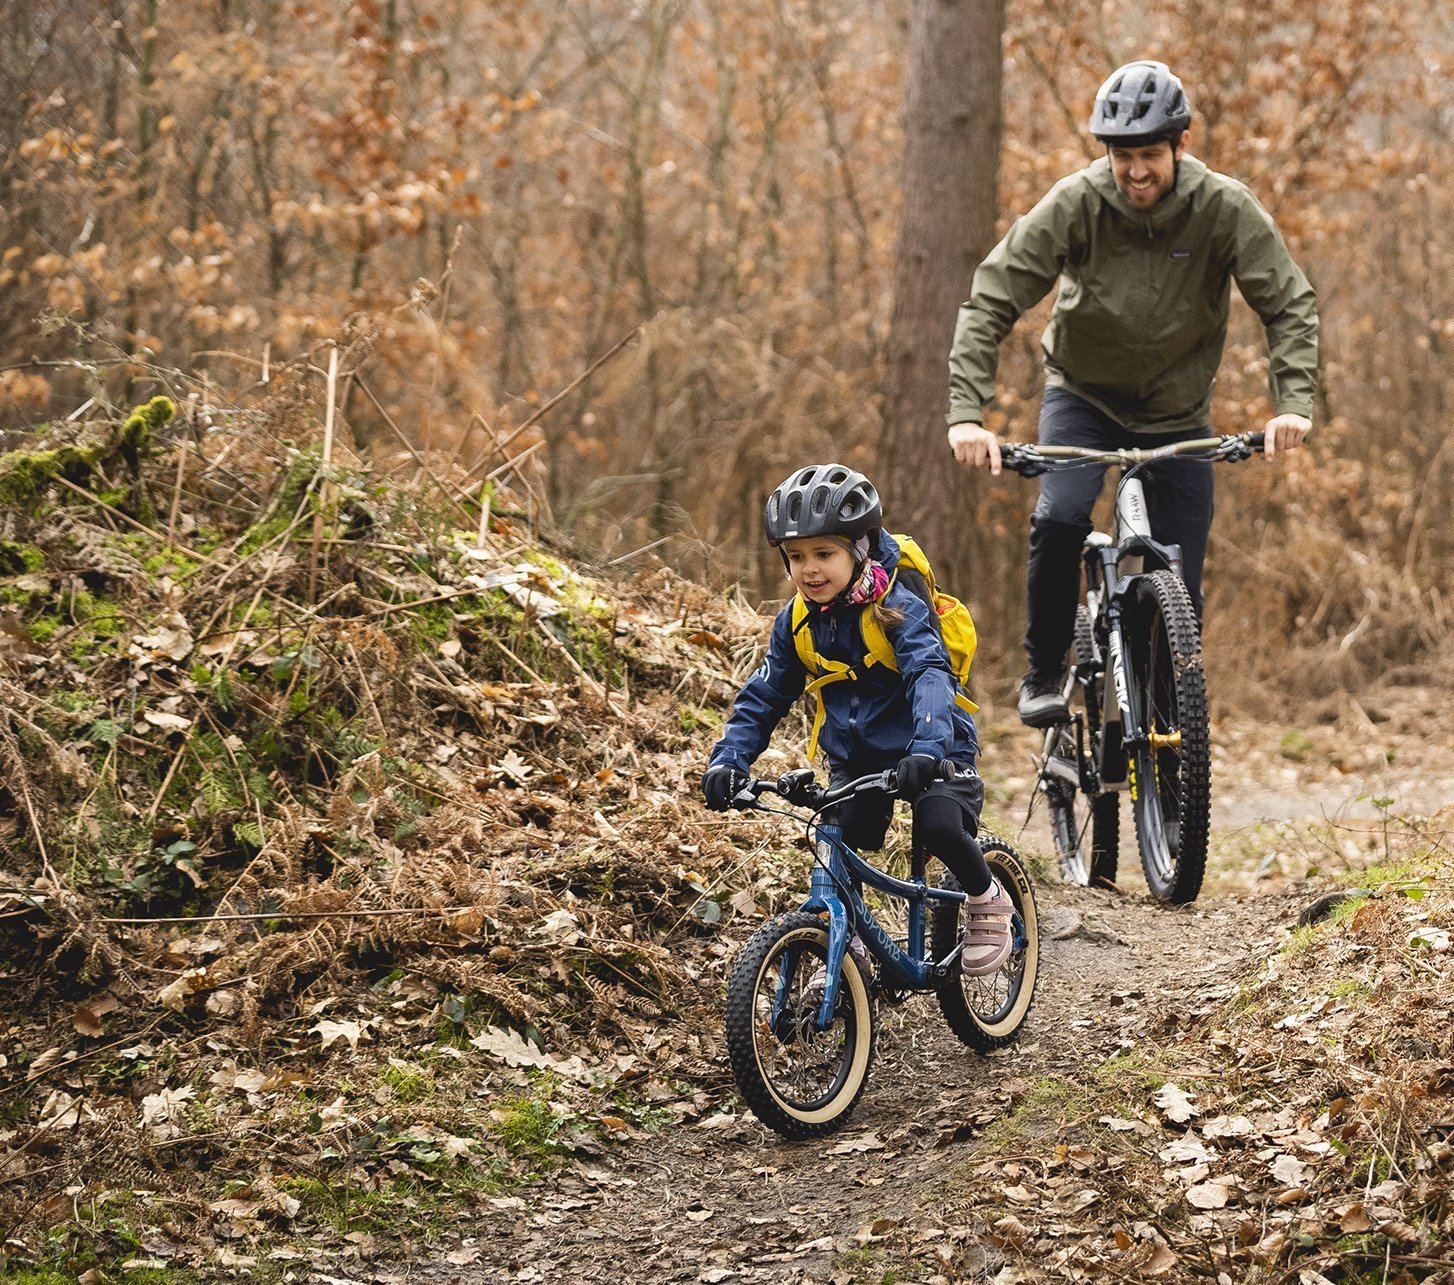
x=819, y=568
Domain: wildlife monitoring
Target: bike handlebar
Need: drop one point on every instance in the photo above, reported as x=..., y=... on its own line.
x=802, y=788
x=1030, y=459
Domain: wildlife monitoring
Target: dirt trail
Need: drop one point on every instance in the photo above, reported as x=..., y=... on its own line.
x=726, y=1200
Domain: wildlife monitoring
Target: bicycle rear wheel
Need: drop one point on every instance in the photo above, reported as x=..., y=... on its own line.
x=1171, y=768
x=798, y=1080
x=1086, y=828
x=986, y=1013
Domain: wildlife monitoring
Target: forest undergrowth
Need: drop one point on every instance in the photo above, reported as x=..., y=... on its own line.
x=352, y=879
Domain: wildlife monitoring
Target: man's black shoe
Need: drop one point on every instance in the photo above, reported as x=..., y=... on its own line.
x=1042, y=703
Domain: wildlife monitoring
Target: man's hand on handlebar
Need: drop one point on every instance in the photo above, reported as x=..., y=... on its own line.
x=975, y=445
x=1284, y=432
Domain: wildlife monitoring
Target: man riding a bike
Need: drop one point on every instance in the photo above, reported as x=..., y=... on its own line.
x=1145, y=243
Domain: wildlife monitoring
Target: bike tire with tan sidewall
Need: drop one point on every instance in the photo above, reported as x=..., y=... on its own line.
x=760, y=1047
x=986, y=1013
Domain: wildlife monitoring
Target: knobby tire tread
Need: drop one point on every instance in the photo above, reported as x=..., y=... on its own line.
x=740, y=1017
x=1164, y=598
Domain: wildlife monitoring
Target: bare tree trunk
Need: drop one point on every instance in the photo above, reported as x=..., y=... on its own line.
x=952, y=123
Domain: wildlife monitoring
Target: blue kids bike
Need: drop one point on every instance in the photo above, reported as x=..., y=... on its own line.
x=800, y=1020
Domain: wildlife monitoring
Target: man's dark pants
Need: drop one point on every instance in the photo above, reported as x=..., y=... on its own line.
x=1179, y=501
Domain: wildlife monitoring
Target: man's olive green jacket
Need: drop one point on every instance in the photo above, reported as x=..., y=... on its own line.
x=1141, y=318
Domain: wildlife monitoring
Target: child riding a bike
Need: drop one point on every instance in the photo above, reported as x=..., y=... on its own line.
x=827, y=522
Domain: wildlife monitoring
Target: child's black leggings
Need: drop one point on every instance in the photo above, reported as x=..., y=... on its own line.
x=946, y=819
x=940, y=830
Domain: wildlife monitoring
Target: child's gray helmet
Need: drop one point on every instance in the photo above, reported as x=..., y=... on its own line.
x=822, y=499
x=1140, y=103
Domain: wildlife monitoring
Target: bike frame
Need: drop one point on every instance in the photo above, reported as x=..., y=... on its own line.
x=1108, y=587
x=839, y=866
x=838, y=869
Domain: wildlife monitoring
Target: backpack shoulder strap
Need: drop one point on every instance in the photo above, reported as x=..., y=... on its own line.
x=803, y=635
x=821, y=671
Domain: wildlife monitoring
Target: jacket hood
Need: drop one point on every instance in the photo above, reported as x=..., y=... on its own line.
x=885, y=550
x=1191, y=174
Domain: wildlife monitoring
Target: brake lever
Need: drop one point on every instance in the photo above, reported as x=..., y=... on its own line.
x=1018, y=459
x=1236, y=449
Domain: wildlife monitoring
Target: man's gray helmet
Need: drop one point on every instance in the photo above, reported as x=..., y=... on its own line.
x=822, y=499
x=1140, y=103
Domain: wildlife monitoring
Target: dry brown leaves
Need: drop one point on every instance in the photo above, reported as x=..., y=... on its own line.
x=1303, y=1129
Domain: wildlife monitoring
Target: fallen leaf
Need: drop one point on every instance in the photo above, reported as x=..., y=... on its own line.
x=510, y=1047
x=1162, y=1260
x=1184, y=1149
x=1175, y=1105
x=62, y=1111
x=1288, y=1170
x=1208, y=1195
x=863, y=1142
x=330, y=1032
x=168, y=722
x=162, y=1111
x=1227, y=1126
x=561, y=927
x=232, y=1207
x=1355, y=1219
x=174, y=994
x=744, y=903
x=172, y=639
x=87, y=1021
x=466, y=1257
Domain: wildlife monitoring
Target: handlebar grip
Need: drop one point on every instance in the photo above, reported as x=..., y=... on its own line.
x=1257, y=442
x=746, y=798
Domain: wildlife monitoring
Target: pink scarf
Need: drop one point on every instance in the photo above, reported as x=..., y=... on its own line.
x=871, y=586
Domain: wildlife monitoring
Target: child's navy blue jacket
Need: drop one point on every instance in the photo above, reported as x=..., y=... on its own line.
x=868, y=724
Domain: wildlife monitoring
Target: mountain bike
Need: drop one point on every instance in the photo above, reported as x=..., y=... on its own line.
x=801, y=1008
x=1136, y=689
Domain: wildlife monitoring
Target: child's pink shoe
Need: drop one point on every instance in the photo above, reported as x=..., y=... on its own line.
x=986, y=937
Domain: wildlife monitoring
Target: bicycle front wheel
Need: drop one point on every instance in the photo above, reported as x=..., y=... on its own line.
x=1171, y=768
x=987, y=1012
x=1086, y=828
x=798, y=1080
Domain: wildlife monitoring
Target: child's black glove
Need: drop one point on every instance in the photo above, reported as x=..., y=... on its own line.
x=915, y=774
x=720, y=786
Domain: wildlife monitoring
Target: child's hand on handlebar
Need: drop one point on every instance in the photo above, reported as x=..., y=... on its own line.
x=721, y=785
x=915, y=774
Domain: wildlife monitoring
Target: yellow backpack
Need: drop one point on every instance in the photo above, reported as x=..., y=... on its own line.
x=955, y=626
